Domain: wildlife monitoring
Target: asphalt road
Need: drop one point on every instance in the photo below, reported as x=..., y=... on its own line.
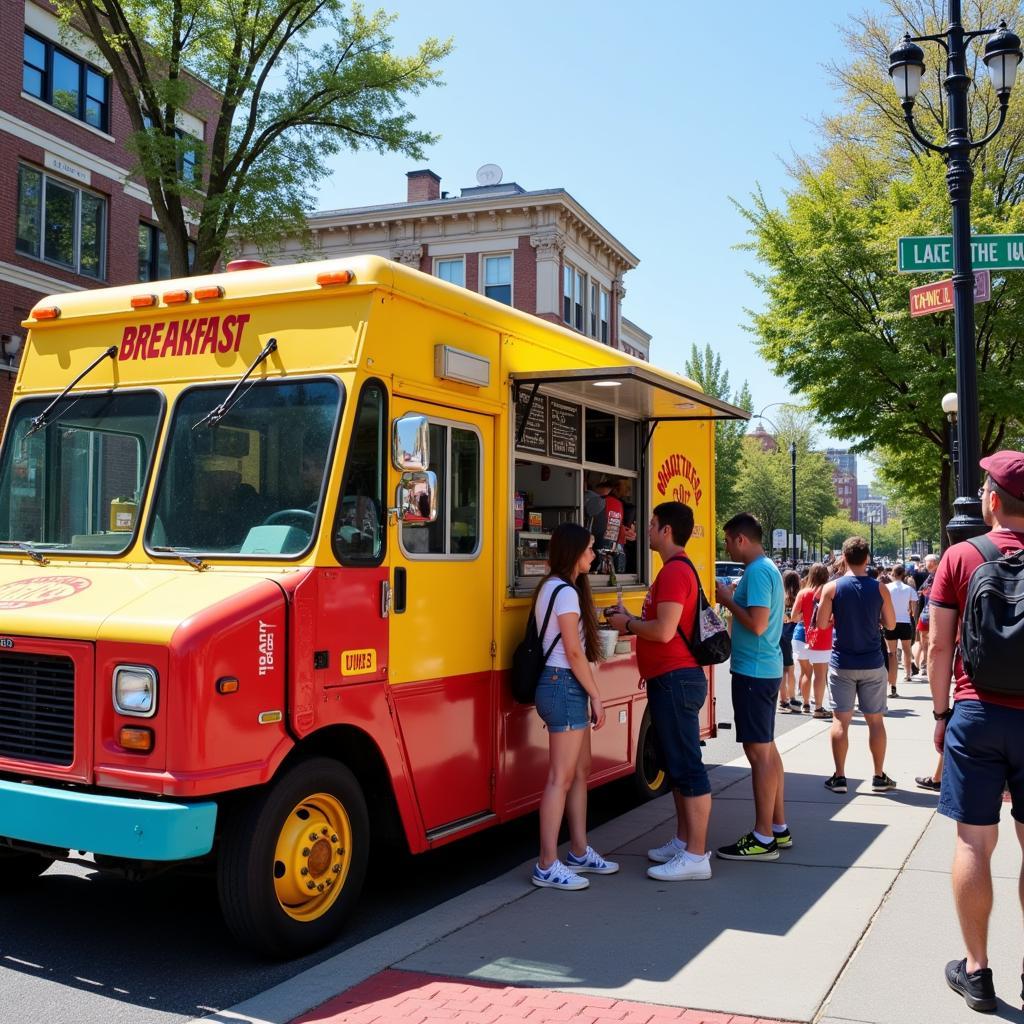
x=77, y=947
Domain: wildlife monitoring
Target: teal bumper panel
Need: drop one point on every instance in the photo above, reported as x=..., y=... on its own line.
x=115, y=825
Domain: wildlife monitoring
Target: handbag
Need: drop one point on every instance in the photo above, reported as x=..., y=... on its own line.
x=710, y=643
x=529, y=657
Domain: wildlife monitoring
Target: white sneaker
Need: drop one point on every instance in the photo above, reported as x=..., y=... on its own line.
x=558, y=876
x=663, y=854
x=682, y=869
x=591, y=861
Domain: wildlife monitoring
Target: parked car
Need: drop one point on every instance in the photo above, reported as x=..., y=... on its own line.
x=729, y=572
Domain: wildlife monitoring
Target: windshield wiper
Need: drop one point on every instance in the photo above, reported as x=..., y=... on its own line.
x=194, y=560
x=215, y=415
x=32, y=553
x=43, y=418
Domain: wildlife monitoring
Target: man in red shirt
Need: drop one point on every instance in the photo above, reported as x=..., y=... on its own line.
x=980, y=736
x=676, y=691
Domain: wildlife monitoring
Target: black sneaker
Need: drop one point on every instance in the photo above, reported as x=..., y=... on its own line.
x=749, y=847
x=837, y=784
x=882, y=783
x=783, y=840
x=977, y=989
x=927, y=782
x=892, y=692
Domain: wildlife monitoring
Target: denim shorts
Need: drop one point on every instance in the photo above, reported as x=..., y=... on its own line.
x=983, y=753
x=561, y=702
x=675, y=700
x=753, y=707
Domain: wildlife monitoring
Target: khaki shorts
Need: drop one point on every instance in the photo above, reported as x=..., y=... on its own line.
x=868, y=685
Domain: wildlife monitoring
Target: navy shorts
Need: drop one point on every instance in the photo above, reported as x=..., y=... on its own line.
x=675, y=700
x=561, y=702
x=983, y=754
x=753, y=707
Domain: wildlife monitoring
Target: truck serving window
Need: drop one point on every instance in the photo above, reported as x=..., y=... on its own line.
x=253, y=485
x=75, y=485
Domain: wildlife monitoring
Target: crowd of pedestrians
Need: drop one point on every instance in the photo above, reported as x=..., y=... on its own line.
x=842, y=629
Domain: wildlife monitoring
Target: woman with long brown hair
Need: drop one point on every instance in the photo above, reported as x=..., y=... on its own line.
x=814, y=666
x=569, y=703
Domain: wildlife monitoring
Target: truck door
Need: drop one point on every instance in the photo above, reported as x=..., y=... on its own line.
x=441, y=623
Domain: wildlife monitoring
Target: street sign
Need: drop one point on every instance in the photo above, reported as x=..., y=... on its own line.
x=778, y=539
x=920, y=254
x=938, y=297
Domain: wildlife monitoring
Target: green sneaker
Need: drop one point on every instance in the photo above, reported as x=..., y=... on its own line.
x=749, y=847
x=784, y=840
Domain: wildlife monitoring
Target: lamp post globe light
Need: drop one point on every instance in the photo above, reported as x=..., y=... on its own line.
x=950, y=405
x=906, y=67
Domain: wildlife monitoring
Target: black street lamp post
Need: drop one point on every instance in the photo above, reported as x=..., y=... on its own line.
x=903, y=543
x=792, y=498
x=872, y=517
x=1002, y=55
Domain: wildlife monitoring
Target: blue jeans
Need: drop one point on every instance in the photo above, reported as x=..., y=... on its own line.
x=561, y=702
x=675, y=700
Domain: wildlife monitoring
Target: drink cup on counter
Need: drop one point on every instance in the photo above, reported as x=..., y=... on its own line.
x=608, y=639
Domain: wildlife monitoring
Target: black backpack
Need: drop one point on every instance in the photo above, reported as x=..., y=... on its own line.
x=710, y=643
x=529, y=658
x=992, y=632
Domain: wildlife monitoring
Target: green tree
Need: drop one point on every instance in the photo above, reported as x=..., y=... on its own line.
x=837, y=324
x=704, y=366
x=298, y=81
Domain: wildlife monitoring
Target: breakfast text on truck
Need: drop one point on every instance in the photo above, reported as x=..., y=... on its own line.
x=268, y=540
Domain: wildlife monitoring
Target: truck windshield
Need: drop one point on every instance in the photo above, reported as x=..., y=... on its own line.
x=75, y=484
x=252, y=485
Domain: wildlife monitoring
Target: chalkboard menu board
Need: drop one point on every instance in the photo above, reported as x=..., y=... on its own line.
x=566, y=421
x=535, y=435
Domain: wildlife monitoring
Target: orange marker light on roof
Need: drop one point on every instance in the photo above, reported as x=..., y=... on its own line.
x=143, y=301
x=46, y=312
x=335, y=277
x=177, y=297
x=210, y=291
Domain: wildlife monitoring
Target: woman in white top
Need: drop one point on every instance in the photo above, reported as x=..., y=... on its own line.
x=569, y=703
x=904, y=601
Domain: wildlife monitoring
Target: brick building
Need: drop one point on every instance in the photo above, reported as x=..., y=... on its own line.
x=73, y=217
x=844, y=479
x=539, y=251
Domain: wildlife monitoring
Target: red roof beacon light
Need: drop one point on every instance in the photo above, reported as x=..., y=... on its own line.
x=246, y=265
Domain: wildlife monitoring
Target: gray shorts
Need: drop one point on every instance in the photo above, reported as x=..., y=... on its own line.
x=868, y=685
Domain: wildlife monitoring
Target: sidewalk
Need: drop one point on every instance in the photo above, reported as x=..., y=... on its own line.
x=854, y=923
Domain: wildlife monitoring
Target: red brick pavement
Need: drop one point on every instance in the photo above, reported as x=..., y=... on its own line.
x=404, y=997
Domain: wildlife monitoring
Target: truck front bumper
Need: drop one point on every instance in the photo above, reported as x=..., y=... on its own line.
x=114, y=825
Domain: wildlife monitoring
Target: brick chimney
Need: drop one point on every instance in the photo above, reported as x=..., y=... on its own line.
x=423, y=185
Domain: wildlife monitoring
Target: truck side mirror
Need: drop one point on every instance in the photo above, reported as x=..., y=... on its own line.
x=417, y=498
x=410, y=443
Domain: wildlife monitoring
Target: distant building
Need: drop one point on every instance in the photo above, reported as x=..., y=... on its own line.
x=764, y=439
x=843, y=459
x=846, y=492
x=537, y=250
x=863, y=490
x=873, y=508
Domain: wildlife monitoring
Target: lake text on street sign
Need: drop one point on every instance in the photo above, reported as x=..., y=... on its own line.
x=924, y=253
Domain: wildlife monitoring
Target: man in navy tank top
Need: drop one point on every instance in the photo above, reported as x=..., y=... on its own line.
x=857, y=606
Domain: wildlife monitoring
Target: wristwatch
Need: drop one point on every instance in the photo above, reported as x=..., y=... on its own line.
x=628, y=621
x=942, y=716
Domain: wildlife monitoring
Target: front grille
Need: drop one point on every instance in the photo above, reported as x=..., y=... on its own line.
x=37, y=708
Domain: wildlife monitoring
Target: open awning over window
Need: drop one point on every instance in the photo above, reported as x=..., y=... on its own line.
x=640, y=392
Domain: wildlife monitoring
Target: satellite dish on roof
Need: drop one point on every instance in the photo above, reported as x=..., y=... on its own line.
x=489, y=174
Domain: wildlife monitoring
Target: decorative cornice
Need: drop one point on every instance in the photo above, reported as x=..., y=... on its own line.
x=550, y=245
x=410, y=255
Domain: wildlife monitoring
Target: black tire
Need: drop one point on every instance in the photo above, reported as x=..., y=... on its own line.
x=257, y=889
x=649, y=778
x=17, y=867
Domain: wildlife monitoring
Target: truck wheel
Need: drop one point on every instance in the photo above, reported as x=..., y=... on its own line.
x=649, y=777
x=17, y=867
x=292, y=859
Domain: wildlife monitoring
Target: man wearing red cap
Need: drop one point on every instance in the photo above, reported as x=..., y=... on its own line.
x=981, y=735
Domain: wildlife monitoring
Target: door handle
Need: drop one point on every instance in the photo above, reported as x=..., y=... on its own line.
x=385, y=599
x=399, y=593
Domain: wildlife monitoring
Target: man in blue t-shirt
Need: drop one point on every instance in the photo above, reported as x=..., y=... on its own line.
x=756, y=665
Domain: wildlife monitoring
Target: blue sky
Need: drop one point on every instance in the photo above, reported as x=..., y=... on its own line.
x=650, y=120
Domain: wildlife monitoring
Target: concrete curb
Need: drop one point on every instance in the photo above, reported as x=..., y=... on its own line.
x=288, y=1000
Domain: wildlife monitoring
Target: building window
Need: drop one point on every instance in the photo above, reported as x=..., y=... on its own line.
x=593, y=309
x=187, y=156
x=579, y=294
x=60, y=223
x=154, y=260
x=452, y=271
x=498, y=278
x=567, y=279
x=604, y=316
x=65, y=82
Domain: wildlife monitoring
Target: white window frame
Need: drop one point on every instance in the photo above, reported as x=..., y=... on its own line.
x=568, y=277
x=593, y=295
x=482, y=282
x=579, y=298
x=438, y=260
x=604, y=317
x=445, y=512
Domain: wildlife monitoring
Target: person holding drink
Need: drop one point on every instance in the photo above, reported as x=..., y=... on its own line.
x=569, y=703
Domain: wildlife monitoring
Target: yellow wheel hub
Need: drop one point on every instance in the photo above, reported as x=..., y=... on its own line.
x=657, y=782
x=312, y=856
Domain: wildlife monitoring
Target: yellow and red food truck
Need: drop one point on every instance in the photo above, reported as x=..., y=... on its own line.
x=267, y=543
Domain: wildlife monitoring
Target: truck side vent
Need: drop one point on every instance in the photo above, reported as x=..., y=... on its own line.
x=37, y=708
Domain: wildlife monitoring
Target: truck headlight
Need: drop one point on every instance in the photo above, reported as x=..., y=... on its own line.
x=135, y=690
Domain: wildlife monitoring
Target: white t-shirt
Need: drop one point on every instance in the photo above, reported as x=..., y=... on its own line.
x=903, y=596
x=567, y=602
